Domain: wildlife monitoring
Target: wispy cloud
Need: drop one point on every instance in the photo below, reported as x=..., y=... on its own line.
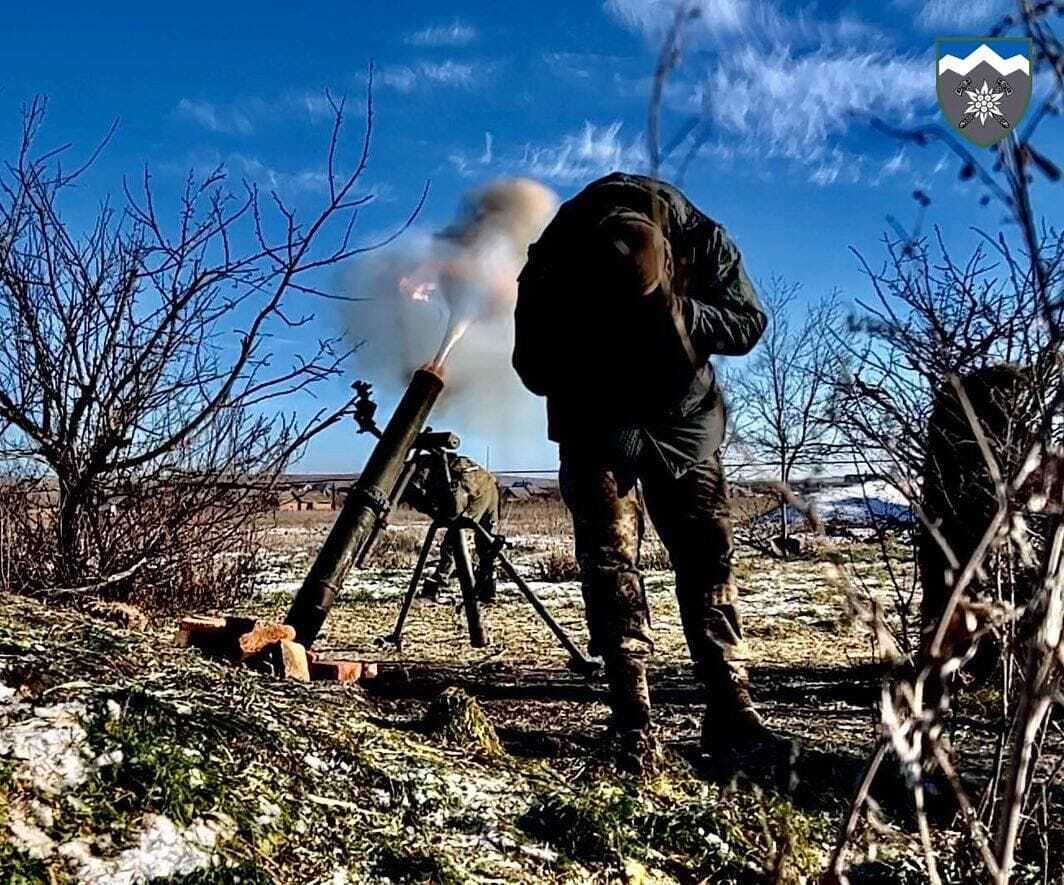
x=898, y=163
x=214, y=118
x=575, y=157
x=654, y=16
x=407, y=78
x=449, y=73
x=288, y=183
x=244, y=116
x=836, y=166
x=596, y=70
x=457, y=33
x=769, y=83
x=790, y=106
x=271, y=178
x=592, y=152
x=955, y=17
x=723, y=23
x=468, y=166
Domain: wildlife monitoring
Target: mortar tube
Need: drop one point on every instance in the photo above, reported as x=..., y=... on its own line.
x=366, y=501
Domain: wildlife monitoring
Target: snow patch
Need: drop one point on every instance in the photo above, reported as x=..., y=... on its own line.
x=49, y=745
x=27, y=825
x=855, y=504
x=164, y=850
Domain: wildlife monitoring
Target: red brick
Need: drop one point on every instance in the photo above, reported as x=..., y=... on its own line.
x=202, y=632
x=201, y=624
x=336, y=671
x=261, y=636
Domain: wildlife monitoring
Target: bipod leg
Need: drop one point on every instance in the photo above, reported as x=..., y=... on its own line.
x=396, y=636
x=456, y=538
x=578, y=661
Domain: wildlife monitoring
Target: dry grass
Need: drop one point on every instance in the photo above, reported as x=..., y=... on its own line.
x=396, y=548
x=557, y=565
x=546, y=517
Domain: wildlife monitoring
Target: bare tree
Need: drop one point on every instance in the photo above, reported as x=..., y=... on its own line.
x=137, y=366
x=781, y=398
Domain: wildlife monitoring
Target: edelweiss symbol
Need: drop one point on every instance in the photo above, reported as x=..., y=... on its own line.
x=983, y=103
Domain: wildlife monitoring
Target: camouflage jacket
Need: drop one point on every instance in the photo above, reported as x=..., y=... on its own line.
x=612, y=367
x=469, y=490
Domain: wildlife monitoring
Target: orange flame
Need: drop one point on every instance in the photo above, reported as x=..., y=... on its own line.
x=417, y=290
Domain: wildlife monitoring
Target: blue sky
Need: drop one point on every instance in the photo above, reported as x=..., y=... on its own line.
x=553, y=90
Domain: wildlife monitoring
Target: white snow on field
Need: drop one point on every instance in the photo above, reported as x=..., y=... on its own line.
x=859, y=504
x=50, y=748
x=164, y=850
x=47, y=743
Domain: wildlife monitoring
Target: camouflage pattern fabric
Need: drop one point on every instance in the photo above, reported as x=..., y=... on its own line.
x=608, y=500
x=633, y=402
x=959, y=497
x=473, y=493
x=477, y=497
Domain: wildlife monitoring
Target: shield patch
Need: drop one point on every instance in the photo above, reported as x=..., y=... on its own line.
x=983, y=84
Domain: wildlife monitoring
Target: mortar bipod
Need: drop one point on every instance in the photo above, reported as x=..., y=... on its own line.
x=578, y=661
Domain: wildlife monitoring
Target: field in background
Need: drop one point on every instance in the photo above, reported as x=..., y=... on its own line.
x=796, y=612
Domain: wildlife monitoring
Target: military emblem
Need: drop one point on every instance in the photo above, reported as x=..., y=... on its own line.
x=984, y=85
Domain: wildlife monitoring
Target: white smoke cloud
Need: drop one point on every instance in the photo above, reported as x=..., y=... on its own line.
x=427, y=288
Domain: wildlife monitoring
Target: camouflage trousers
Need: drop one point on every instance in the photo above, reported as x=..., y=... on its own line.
x=690, y=512
x=478, y=500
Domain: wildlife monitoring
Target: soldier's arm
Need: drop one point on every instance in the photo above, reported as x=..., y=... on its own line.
x=721, y=311
x=536, y=320
x=530, y=358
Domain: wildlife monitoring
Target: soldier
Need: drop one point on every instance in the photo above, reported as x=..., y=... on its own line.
x=960, y=499
x=470, y=491
x=623, y=299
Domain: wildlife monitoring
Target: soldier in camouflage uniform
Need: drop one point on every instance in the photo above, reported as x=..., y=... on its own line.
x=471, y=492
x=960, y=498
x=623, y=300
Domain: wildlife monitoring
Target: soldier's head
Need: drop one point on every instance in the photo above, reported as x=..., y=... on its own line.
x=630, y=252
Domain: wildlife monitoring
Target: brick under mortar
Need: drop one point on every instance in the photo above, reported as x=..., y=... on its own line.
x=244, y=640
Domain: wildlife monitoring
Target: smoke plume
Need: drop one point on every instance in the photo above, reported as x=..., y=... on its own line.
x=447, y=299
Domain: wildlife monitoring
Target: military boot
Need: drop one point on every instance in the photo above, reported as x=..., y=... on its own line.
x=486, y=590
x=731, y=720
x=431, y=588
x=635, y=750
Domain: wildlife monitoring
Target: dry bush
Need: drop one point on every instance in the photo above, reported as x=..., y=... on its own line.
x=138, y=372
x=781, y=399
x=653, y=557
x=935, y=324
x=396, y=549
x=559, y=564
x=160, y=546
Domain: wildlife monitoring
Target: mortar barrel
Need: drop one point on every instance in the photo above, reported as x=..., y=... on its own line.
x=365, y=502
